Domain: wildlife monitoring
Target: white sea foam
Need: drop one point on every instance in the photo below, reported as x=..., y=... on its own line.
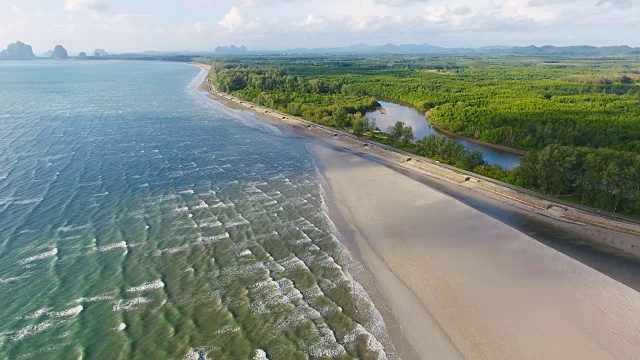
x=201, y=205
x=293, y=262
x=26, y=201
x=74, y=311
x=31, y=330
x=227, y=329
x=12, y=279
x=260, y=355
x=237, y=222
x=214, y=239
x=303, y=240
x=196, y=354
x=118, y=245
x=209, y=224
x=129, y=304
x=94, y=298
x=45, y=255
x=153, y=285
x=37, y=313
x=72, y=228
x=173, y=250
x=245, y=252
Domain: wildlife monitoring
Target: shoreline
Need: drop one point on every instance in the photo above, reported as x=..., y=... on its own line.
x=461, y=284
x=621, y=235
x=404, y=324
x=407, y=318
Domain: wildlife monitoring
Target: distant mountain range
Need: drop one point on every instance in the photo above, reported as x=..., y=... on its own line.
x=505, y=50
x=20, y=50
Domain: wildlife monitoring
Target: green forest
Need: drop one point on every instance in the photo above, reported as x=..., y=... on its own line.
x=578, y=119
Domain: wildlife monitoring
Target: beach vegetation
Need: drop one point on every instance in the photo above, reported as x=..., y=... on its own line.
x=578, y=120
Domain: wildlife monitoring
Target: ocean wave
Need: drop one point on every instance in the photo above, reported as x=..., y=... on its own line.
x=90, y=299
x=129, y=304
x=209, y=224
x=31, y=330
x=45, y=255
x=72, y=228
x=214, y=239
x=245, y=252
x=237, y=222
x=260, y=355
x=201, y=205
x=153, y=285
x=196, y=354
x=118, y=245
x=72, y=312
x=12, y=279
x=173, y=250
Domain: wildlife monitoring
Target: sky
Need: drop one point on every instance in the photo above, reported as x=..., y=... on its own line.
x=201, y=25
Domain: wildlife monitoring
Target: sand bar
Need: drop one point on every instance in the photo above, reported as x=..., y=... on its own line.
x=462, y=284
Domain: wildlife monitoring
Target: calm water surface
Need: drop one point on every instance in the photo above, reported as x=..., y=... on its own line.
x=139, y=219
x=421, y=128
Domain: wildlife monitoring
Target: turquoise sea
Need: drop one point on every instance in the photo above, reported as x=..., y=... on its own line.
x=141, y=220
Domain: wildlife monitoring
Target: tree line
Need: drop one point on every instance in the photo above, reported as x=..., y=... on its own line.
x=578, y=120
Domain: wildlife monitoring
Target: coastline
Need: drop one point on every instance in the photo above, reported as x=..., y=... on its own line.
x=604, y=230
x=464, y=285
x=418, y=324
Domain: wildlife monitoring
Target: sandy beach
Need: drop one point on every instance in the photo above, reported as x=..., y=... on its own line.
x=452, y=282
x=464, y=285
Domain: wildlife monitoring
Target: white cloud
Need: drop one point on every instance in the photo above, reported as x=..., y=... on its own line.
x=312, y=23
x=614, y=4
x=235, y=22
x=398, y=2
x=16, y=26
x=204, y=24
x=85, y=6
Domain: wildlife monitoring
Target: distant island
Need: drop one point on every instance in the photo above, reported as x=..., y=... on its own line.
x=17, y=51
x=59, y=52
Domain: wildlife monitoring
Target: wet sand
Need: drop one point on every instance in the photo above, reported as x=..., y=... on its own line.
x=454, y=282
x=461, y=284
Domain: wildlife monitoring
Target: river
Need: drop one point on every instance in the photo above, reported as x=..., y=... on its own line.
x=421, y=128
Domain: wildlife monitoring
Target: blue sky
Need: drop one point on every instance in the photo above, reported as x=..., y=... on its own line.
x=137, y=25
